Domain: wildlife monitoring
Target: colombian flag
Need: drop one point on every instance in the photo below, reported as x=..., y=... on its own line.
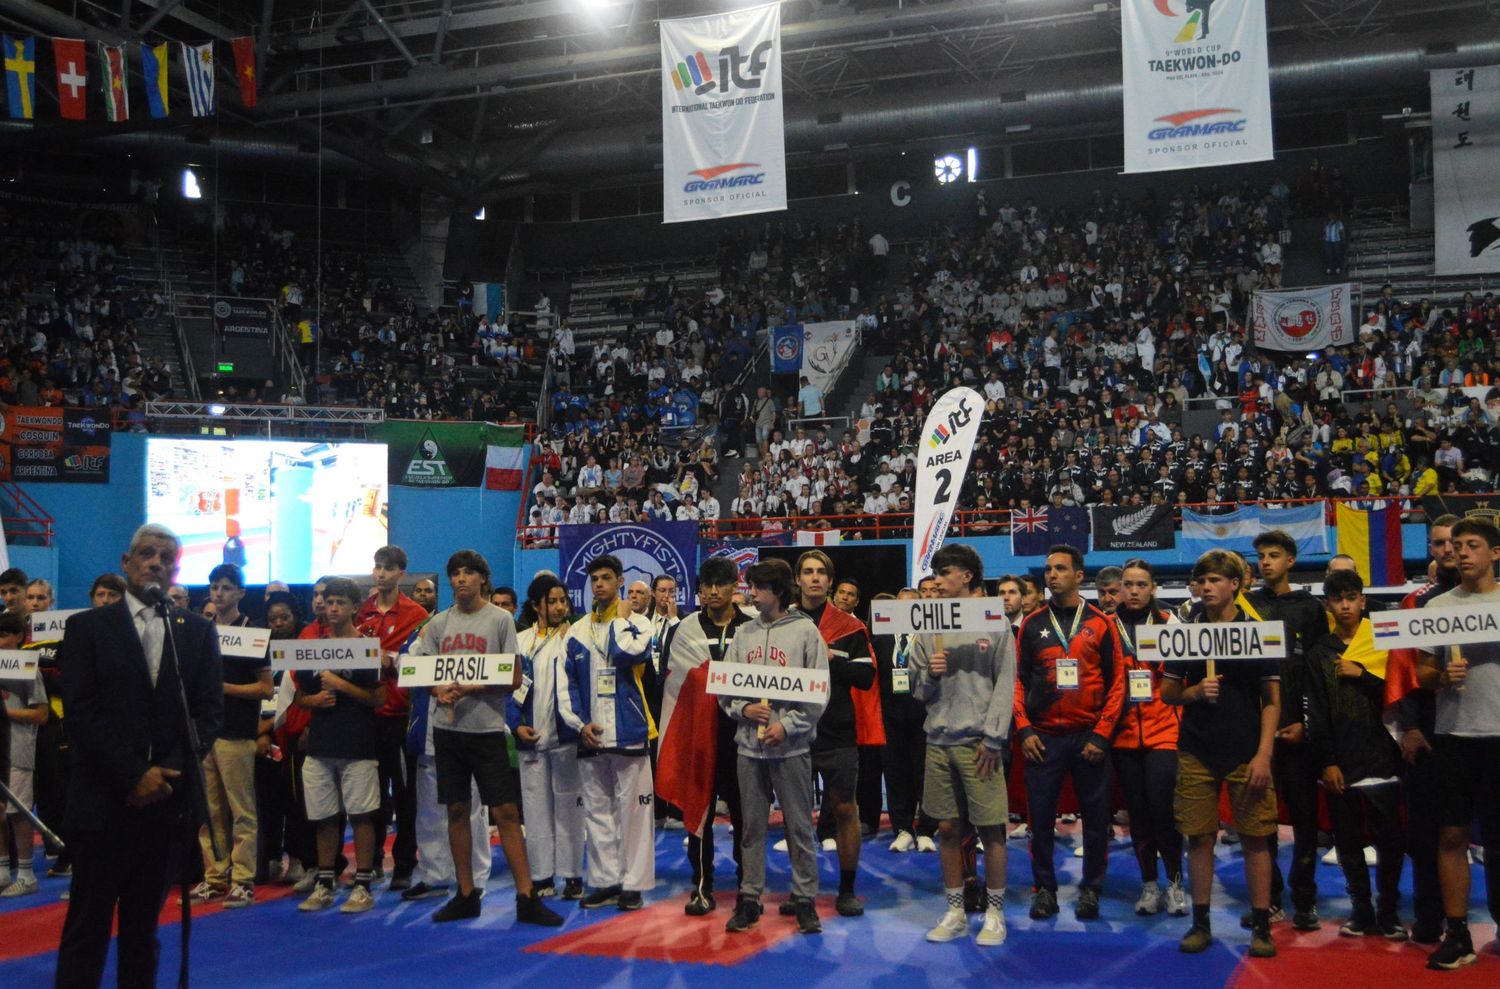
x=1373, y=538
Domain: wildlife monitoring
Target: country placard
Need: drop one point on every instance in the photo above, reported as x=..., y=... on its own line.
x=774, y=683
x=47, y=626
x=19, y=665
x=935, y=617
x=325, y=654
x=1218, y=641
x=487, y=669
x=244, y=643
x=1428, y=628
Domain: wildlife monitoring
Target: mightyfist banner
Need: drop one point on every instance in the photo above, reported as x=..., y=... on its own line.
x=945, y=447
x=723, y=143
x=1197, y=84
x=1466, y=184
x=1303, y=320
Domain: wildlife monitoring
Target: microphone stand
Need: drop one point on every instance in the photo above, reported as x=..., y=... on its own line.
x=194, y=775
x=7, y=796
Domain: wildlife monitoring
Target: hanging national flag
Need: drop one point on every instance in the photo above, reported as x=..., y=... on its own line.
x=1373, y=539
x=1304, y=523
x=819, y=537
x=1034, y=531
x=71, y=61
x=198, y=63
x=244, y=69
x=20, y=76
x=1234, y=530
x=154, y=71
x=116, y=93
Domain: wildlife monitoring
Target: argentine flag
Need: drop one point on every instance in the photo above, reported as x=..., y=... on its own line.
x=198, y=63
x=1235, y=531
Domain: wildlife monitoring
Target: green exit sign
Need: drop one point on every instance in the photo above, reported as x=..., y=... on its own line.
x=226, y=367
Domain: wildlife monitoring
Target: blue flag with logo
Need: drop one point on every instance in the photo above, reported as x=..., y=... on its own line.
x=645, y=552
x=786, y=349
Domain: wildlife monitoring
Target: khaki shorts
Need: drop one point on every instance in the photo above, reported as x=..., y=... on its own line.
x=952, y=790
x=21, y=783
x=1196, y=801
x=333, y=785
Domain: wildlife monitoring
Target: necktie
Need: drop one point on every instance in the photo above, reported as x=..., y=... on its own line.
x=149, y=627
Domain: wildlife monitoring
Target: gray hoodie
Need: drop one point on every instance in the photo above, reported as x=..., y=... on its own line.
x=974, y=701
x=792, y=640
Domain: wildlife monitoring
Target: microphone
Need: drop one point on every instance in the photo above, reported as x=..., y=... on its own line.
x=153, y=594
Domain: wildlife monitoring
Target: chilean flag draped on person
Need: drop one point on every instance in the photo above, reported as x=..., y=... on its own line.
x=869, y=726
x=689, y=743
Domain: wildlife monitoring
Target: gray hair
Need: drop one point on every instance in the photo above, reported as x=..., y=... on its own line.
x=1108, y=575
x=153, y=530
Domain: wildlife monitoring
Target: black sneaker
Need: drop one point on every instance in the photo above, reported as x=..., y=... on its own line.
x=1390, y=927
x=1087, y=907
x=1362, y=923
x=788, y=908
x=746, y=916
x=1307, y=920
x=1247, y=919
x=974, y=901
x=1453, y=953
x=630, y=901
x=461, y=907
x=400, y=883
x=601, y=898
x=546, y=888
x=807, y=917
x=848, y=905
x=422, y=891
x=700, y=905
x=1043, y=904
x=1261, y=945
x=1197, y=940
x=1424, y=933
x=531, y=910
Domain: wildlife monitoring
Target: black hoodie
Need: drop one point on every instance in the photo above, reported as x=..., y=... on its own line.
x=1306, y=624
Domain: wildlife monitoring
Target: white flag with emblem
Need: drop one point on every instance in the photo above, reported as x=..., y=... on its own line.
x=944, y=448
x=1197, y=83
x=723, y=141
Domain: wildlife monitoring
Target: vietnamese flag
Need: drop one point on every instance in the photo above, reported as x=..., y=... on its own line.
x=244, y=68
x=71, y=61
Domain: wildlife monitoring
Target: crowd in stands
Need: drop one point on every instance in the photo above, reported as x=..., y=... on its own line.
x=67, y=316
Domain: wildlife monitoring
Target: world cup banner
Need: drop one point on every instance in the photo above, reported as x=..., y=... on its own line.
x=723, y=141
x=944, y=449
x=1197, y=85
x=1466, y=183
x=1303, y=320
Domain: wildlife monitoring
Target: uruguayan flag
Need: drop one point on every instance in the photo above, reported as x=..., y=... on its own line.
x=198, y=63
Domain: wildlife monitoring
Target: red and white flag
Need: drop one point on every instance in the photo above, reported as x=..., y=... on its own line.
x=688, y=746
x=116, y=93
x=503, y=467
x=822, y=537
x=244, y=69
x=71, y=60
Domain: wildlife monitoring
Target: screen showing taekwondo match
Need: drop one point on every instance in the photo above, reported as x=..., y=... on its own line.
x=282, y=509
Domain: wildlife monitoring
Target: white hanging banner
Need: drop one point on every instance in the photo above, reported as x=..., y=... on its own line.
x=1197, y=87
x=1466, y=183
x=723, y=141
x=944, y=448
x=1304, y=319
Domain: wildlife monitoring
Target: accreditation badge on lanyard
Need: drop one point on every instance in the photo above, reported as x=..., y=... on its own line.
x=900, y=675
x=1138, y=682
x=1067, y=666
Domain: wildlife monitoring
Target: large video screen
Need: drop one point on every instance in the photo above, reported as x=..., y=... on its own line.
x=282, y=510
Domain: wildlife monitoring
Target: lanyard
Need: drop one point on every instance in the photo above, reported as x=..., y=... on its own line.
x=1056, y=627
x=902, y=645
x=1128, y=635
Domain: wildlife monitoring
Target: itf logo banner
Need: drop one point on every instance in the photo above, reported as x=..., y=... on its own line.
x=1466, y=183
x=1197, y=84
x=1303, y=320
x=723, y=143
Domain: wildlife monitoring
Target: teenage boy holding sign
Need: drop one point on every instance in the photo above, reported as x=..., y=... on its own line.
x=1229, y=720
x=1466, y=752
x=468, y=739
x=774, y=741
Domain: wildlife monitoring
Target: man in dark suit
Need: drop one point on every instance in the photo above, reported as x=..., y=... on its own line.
x=130, y=812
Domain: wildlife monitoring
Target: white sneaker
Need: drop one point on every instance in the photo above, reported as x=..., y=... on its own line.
x=1371, y=858
x=1331, y=857
x=20, y=887
x=954, y=925
x=925, y=844
x=993, y=931
x=1177, y=903
x=1020, y=831
x=294, y=873
x=780, y=846
x=904, y=842
x=360, y=900
x=1150, y=901
x=830, y=845
x=321, y=898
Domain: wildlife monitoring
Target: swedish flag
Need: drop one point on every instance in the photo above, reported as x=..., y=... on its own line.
x=20, y=76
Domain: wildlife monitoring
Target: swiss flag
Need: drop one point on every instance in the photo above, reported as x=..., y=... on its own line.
x=244, y=69
x=72, y=78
